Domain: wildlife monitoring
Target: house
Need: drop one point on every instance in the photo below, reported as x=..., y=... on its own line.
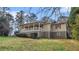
x=45, y=29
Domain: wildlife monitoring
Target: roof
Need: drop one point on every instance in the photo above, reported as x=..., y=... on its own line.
x=36, y=23
x=60, y=21
x=63, y=17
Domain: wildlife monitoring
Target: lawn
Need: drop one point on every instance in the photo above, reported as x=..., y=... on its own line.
x=28, y=44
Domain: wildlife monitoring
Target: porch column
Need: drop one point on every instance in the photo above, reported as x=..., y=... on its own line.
x=49, y=31
x=39, y=30
x=33, y=26
x=39, y=26
x=28, y=27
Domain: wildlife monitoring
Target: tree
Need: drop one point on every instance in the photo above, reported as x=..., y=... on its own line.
x=5, y=18
x=20, y=17
x=50, y=11
x=74, y=22
x=46, y=19
x=75, y=29
x=9, y=21
x=3, y=9
x=31, y=17
x=72, y=16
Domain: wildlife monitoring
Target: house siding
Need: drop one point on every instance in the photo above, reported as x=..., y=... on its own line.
x=48, y=30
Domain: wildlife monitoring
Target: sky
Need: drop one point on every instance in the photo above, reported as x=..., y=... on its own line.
x=13, y=11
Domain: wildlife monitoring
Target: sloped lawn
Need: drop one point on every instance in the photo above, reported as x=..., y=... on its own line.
x=28, y=44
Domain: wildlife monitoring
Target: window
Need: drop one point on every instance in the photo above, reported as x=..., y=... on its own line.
x=58, y=26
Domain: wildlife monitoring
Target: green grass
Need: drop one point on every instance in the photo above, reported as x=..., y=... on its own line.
x=28, y=44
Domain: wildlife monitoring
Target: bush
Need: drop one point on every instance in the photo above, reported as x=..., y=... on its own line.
x=75, y=28
x=74, y=33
